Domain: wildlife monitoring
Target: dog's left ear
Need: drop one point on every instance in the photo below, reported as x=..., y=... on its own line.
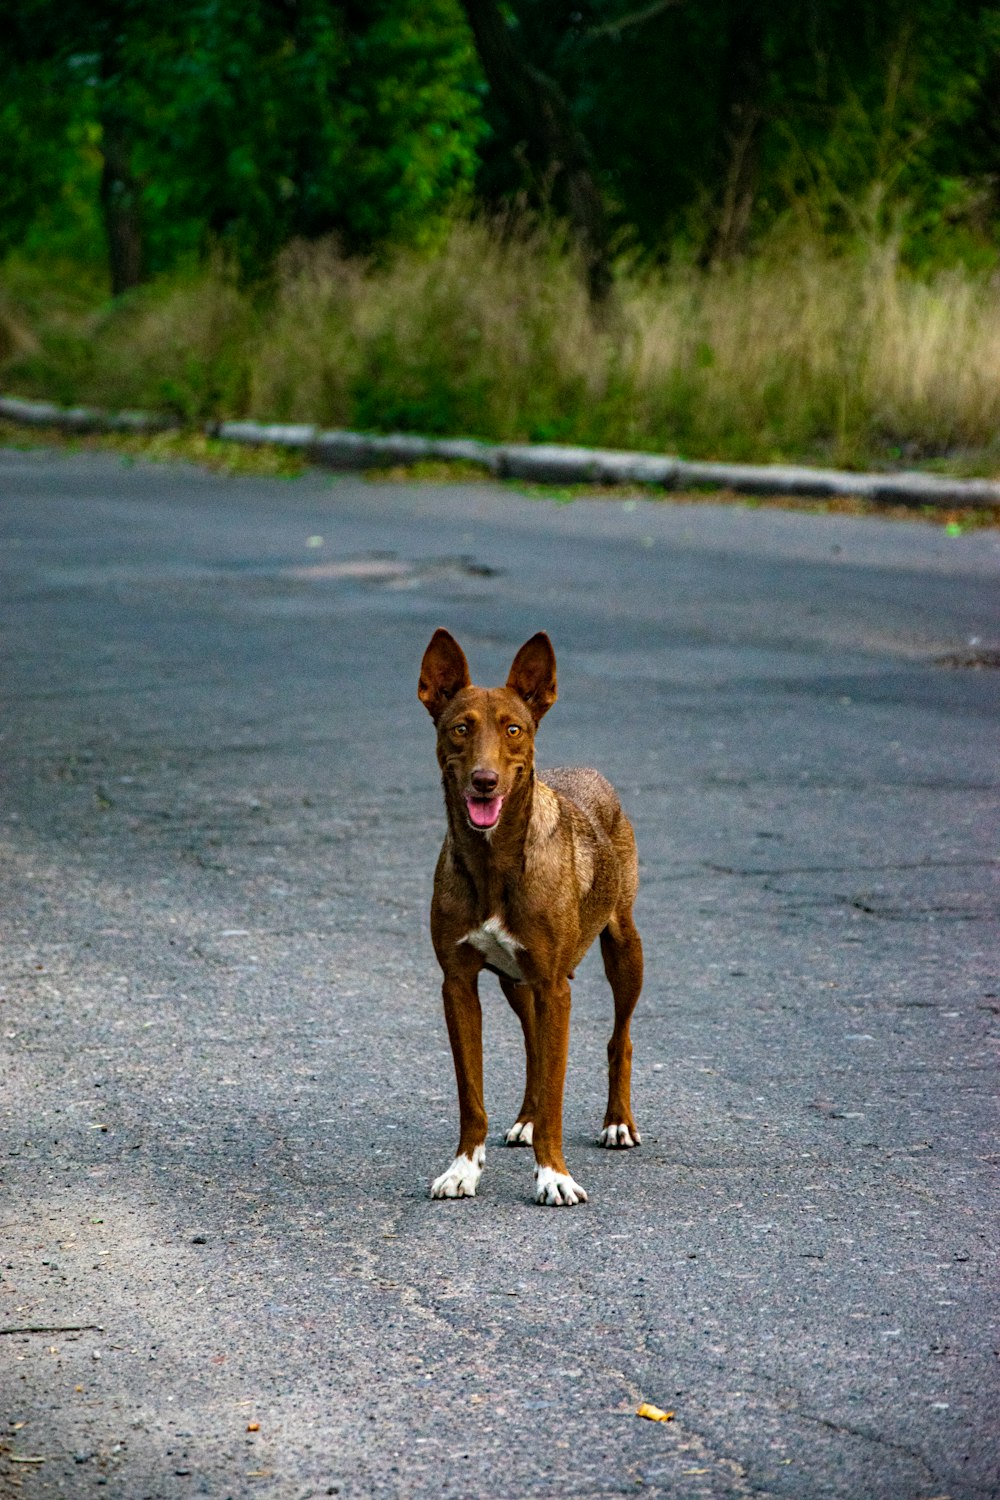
x=444, y=672
x=533, y=675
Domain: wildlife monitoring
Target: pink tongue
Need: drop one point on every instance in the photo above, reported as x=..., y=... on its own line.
x=484, y=811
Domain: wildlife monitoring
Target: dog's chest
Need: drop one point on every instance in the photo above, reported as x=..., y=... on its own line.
x=499, y=947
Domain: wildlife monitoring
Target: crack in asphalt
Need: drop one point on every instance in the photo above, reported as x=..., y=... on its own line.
x=752, y=871
x=915, y=913
x=847, y=1430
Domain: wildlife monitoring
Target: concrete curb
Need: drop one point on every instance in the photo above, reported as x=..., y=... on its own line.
x=82, y=418
x=540, y=463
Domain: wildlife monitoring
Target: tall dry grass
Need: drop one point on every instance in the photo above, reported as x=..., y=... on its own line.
x=799, y=353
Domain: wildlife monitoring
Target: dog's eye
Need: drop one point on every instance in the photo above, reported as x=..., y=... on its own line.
x=460, y=729
x=513, y=730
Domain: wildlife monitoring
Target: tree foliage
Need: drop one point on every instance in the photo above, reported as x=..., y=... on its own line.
x=827, y=108
x=700, y=124
x=245, y=124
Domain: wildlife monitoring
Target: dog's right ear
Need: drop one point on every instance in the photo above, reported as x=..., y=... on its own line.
x=444, y=672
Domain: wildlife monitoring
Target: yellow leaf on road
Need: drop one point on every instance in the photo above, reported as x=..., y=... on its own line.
x=653, y=1413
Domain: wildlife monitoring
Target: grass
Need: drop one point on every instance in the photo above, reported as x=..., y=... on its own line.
x=163, y=447
x=800, y=354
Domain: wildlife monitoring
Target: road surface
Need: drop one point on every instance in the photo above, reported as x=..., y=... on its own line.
x=225, y=1079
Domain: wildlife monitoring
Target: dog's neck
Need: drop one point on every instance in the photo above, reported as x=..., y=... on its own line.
x=489, y=858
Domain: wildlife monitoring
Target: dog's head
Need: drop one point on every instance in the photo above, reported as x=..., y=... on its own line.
x=486, y=736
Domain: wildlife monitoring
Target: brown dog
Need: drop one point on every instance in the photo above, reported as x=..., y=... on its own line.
x=530, y=873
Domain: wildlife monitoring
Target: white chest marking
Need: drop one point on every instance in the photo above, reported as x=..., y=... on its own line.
x=497, y=946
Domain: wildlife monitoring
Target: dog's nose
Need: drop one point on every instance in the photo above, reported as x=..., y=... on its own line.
x=484, y=781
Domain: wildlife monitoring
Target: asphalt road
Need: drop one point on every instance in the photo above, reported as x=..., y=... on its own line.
x=225, y=1077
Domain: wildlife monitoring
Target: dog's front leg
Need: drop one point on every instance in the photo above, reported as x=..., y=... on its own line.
x=553, y=1183
x=522, y=1002
x=465, y=1029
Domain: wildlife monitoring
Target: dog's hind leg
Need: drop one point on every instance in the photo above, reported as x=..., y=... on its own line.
x=523, y=1004
x=621, y=950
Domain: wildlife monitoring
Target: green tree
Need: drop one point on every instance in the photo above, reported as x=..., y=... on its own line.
x=248, y=123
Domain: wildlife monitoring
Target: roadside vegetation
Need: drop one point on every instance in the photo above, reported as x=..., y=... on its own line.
x=849, y=359
x=728, y=230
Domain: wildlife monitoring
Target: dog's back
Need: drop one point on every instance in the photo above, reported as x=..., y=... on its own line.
x=606, y=864
x=597, y=799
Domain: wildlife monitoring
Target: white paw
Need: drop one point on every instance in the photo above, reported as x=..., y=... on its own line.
x=557, y=1188
x=520, y=1133
x=462, y=1177
x=619, y=1137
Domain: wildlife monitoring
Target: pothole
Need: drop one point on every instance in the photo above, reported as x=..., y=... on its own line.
x=390, y=572
x=978, y=660
x=372, y=569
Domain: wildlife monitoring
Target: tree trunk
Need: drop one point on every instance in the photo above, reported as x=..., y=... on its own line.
x=744, y=88
x=120, y=204
x=552, y=140
x=119, y=188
